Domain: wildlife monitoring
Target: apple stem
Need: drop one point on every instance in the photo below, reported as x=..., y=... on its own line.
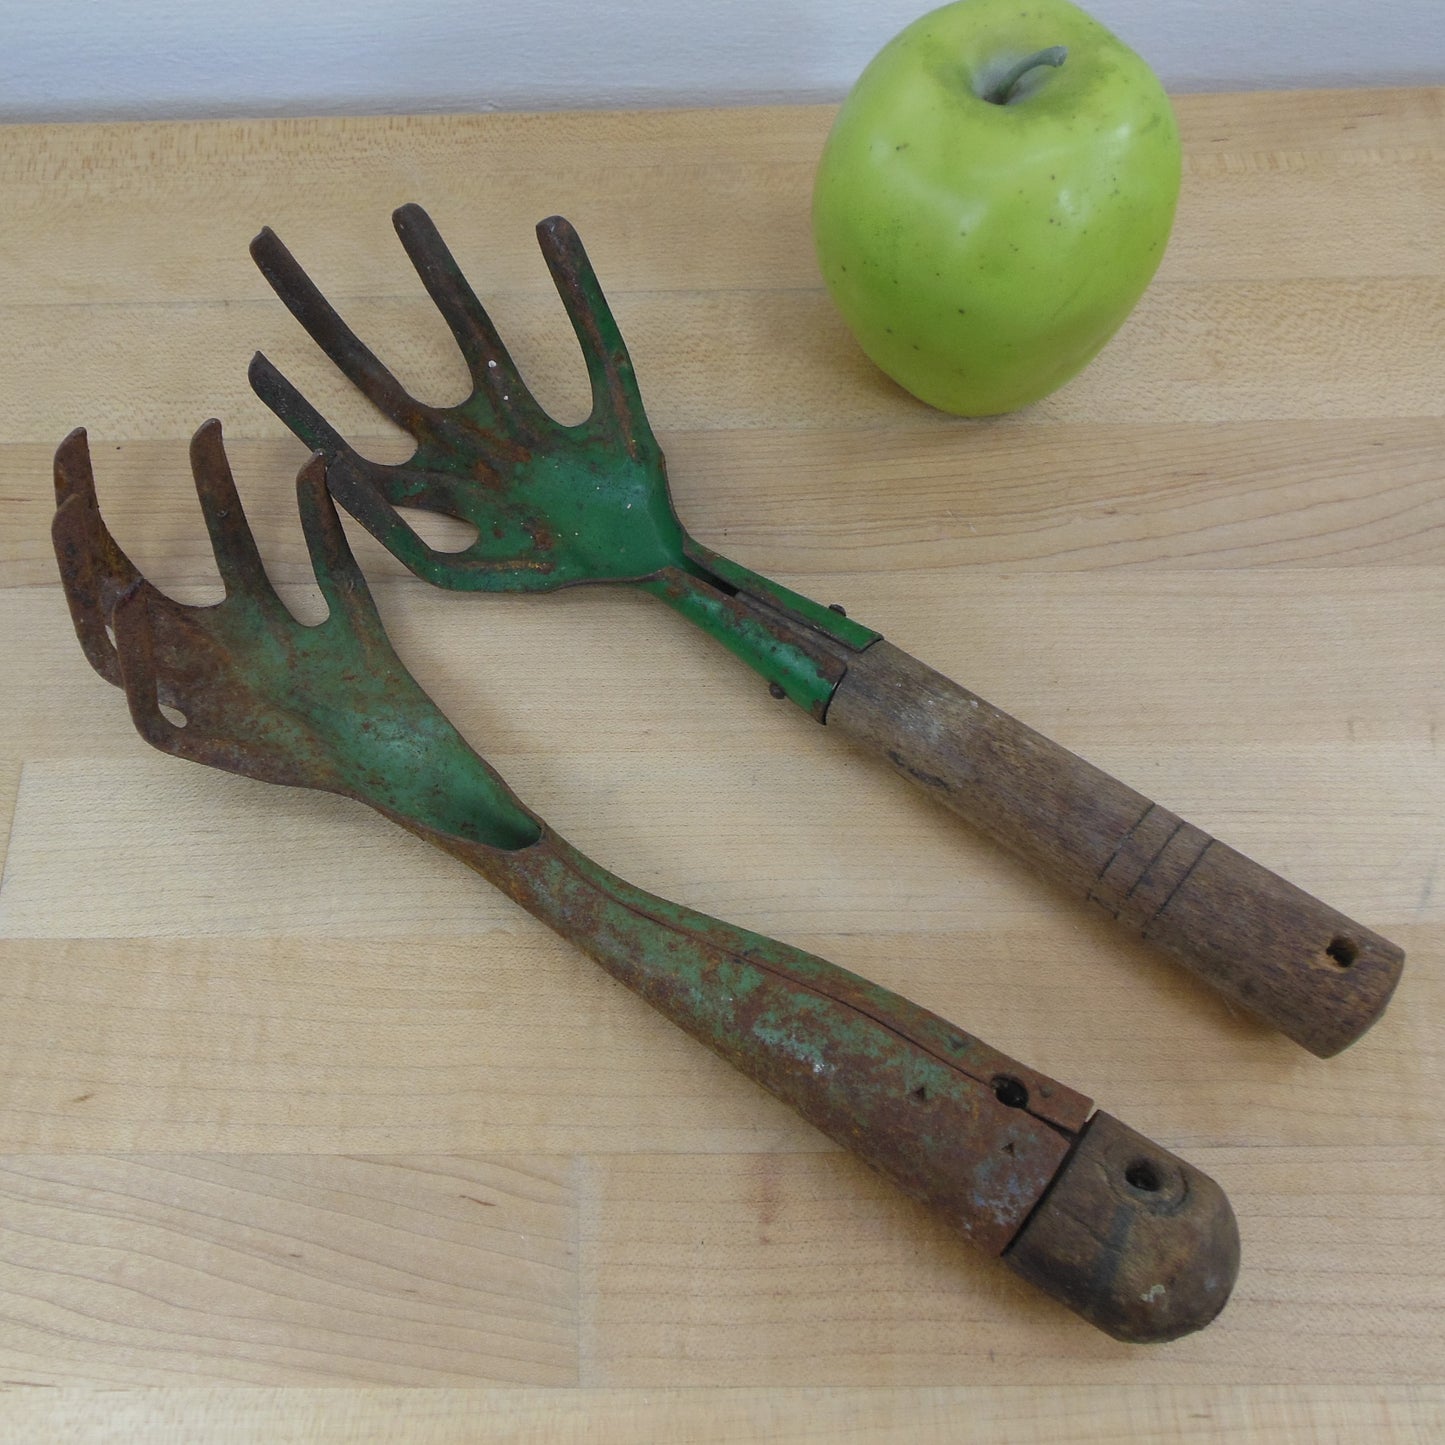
x=1002, y=93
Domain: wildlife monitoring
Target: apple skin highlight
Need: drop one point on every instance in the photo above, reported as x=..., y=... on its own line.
x=981, y=253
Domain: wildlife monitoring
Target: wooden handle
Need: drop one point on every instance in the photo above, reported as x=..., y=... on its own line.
x=1139, y=1242
x=1316, y=975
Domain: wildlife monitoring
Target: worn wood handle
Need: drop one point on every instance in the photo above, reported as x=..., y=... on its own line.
x=1316, y=975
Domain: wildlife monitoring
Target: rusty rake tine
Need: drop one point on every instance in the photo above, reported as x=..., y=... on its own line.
x=486, y=355
x=71, y=533
x=350, y=478
x=93, y=568
x=348, y=598
x=356, y=361
x=135, y=642
x=614, y=387
x=73, y=472
x=296, y=412
x=237, y=557
x=350, y=475
x=74, y=477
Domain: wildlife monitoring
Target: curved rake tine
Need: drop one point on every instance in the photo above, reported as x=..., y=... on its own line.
x=237, y=558
x=614, y=387
x=490, y=364
x=358, y=483
x=348, y=598
x=93, y=568
x=351, y=475
x=74, y=475
x=355, y=480
x=72, y=534
x=324, y=325
x=296, y=412
x=134, y=625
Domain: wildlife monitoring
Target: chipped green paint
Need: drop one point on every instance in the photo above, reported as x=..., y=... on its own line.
x=553, y=506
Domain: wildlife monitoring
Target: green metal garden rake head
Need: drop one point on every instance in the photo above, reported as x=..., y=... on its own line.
x=553, y=505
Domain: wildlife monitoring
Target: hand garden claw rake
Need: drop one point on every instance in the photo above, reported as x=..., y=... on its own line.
x=557, y=505
x=1134, y=1239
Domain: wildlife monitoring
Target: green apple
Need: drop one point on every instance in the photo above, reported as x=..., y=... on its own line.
x=993, y=198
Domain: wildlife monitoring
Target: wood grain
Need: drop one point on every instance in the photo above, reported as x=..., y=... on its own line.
x=295, y=1114
x=295, y=1269
x=898, y=1415
x=1232, y=351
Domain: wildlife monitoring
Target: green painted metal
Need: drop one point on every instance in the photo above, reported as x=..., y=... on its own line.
x=806, y=673
x=831, y=621
x=577, y=509
x=553, y=506
x=325, y=706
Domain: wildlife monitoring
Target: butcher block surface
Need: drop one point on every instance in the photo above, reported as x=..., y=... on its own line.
x=306, y=1135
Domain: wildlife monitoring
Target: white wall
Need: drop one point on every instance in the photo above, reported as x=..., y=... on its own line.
x=150, y=59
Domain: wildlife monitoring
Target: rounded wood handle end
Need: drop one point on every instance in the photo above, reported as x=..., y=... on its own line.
x=1140, y=1243
x=1319, y=977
